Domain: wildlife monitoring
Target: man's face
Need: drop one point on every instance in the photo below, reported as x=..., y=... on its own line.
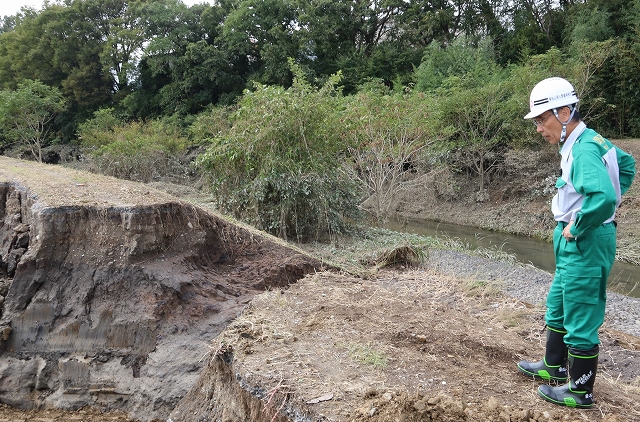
x=549, y=127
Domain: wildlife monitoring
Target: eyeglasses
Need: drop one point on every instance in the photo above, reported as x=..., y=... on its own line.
x=538, y=122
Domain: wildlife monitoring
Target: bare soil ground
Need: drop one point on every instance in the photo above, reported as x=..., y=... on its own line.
x=408, y=345
x=402, y=344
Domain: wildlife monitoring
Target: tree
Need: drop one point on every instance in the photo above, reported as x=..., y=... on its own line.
x=61, y=47
x=184, y=68
x=124, y=38
x=476, y=122
x=20, y=56
x=386, y=134
x=590, y=58
x=531, y=27
x=361, y=39
x=25, y=114
x=600, y=30
x=472, y=64
x=626, y=94
x=260, y=35
x=439, y=21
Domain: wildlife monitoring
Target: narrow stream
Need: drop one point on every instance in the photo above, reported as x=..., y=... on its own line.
x=624, y=278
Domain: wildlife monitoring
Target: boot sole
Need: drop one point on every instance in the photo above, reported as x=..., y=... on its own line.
x=568, y=402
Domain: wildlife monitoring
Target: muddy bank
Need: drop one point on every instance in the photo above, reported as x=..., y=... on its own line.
x=112, y=292
x=516, y=200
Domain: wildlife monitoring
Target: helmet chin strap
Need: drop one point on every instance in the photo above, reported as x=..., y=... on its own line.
x=563, y=134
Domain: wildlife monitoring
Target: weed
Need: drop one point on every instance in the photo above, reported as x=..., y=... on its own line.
x=366, y=355
x=481, y=288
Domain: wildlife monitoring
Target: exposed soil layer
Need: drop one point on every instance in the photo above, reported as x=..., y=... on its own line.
x=112, y=292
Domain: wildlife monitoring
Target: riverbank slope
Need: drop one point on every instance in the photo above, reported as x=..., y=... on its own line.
x=516, y=201
x=111, y=291
x=435, y=342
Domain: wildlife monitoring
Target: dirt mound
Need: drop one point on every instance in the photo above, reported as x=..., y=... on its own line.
x=404, y=346
x=112, y=292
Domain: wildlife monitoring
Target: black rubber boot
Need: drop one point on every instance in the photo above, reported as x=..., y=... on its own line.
x=583, y=365
x=553, y=367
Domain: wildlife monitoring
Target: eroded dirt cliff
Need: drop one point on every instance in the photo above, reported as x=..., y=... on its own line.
x=112, y=292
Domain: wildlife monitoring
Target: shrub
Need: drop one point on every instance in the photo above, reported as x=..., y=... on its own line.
x=386, y=134
x=135, y=151
x=475, y=124
x=210, y=124
x=277, y=167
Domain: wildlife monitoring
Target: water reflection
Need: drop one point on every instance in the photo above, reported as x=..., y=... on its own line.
x=624, y=278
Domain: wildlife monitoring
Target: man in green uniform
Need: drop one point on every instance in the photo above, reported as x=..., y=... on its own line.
x=595, y=173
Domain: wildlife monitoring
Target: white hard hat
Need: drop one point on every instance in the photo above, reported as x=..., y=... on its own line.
x=549, y=94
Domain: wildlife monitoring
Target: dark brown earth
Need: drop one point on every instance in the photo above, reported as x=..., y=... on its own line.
x=403, y=344
x=113, y=291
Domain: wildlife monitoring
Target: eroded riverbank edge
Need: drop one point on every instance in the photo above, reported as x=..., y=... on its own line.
x=112, y=292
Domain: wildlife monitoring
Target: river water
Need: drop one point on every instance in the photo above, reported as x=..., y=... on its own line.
x=624, y=278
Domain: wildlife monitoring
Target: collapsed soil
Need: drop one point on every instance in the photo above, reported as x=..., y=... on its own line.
x=112, y=292
x=403, y=344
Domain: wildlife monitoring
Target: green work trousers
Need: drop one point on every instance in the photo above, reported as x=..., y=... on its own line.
x=577, y=297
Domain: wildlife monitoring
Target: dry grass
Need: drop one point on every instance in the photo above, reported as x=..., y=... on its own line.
x=366, y=253
x=58, y=186
x=403, y=255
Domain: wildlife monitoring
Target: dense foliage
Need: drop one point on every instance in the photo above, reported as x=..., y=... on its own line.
x=140, y=151
x=149, y=59
x=278, y=167
x=304, y=107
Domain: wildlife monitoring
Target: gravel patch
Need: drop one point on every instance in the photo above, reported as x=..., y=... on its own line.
x=530, y=284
